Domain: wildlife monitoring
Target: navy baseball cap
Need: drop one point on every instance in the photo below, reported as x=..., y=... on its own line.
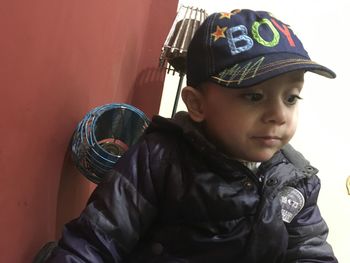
x=243, y=48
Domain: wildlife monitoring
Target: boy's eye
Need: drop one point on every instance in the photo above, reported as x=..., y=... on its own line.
x=254, y=97
x=292, y=99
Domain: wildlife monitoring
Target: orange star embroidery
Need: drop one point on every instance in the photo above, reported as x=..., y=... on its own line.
x=225, y=15
x=219, y=33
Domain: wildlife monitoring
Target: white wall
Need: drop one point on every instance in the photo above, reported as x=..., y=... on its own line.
x=323, y=135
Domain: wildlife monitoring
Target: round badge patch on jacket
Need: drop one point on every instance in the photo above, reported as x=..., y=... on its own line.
x=292, y=201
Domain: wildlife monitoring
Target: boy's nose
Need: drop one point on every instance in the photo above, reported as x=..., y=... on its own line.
x=276, y=112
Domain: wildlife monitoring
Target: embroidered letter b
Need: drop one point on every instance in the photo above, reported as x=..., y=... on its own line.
x=238, y=39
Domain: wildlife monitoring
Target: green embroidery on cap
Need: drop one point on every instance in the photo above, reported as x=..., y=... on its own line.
x=259, y=39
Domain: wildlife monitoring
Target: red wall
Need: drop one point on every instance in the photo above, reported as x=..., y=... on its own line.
x=59, y=59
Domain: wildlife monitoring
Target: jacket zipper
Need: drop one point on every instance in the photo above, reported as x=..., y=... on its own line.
x=261, y=173
x=261, y=178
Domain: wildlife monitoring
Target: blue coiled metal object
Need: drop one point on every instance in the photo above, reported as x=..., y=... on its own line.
x=102, y=137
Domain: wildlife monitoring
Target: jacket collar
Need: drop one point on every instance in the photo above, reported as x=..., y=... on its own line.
x=194, y=134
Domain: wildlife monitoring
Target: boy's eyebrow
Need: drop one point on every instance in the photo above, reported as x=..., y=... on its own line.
x=297, y=84
x=299, y=81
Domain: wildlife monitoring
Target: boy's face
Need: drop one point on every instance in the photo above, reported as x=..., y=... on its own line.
x=253, y=123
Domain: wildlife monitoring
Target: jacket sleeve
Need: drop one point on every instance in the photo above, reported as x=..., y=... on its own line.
x=308, y=231
x=118, y=213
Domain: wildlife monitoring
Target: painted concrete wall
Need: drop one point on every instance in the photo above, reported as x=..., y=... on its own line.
x=58, y=60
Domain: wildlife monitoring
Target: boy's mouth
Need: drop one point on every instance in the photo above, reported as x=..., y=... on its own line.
x=268, y=140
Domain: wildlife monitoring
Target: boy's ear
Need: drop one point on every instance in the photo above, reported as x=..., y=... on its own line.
x=194, y=101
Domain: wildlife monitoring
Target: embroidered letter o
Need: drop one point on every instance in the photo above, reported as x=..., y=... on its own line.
x=259, y=39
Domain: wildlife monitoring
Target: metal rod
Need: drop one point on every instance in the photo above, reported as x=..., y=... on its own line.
x=178, y=93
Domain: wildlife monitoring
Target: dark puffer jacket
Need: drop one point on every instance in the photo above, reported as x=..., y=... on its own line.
x=174, y=198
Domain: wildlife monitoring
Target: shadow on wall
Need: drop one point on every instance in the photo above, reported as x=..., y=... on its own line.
x=72, y=187
x=147, y=91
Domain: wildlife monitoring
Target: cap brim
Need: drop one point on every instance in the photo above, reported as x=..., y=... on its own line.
x=259, y=69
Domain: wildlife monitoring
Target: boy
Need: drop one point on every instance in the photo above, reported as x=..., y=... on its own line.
x=219, y=183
